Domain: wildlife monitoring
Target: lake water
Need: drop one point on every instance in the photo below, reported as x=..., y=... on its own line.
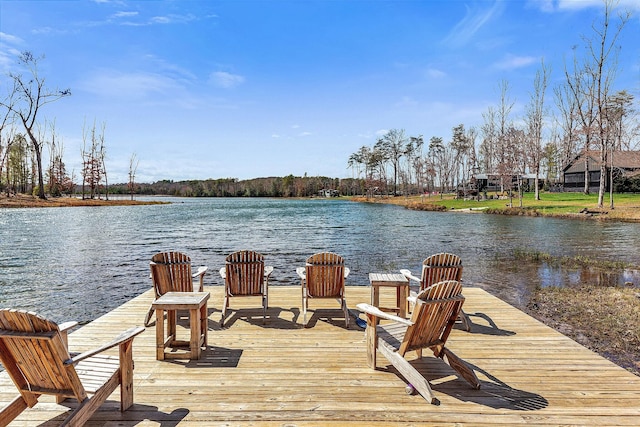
x=79, y=263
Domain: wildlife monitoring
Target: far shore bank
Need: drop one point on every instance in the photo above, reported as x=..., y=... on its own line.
x=27, y=201
x=557, y=205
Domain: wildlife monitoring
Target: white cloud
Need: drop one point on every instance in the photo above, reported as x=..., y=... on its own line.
x=435, y=73
x=123, y=14
x=160, y=20
x=226, y=80
x=511, y=62
x=8, y=51
x=571, y=5
x=406, y=101
x=305, y=134
x=11, y=39
x=472, y=22
x=112, y=83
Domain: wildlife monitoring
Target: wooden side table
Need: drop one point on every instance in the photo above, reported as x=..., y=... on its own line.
x=171, y=302
x=391, y=280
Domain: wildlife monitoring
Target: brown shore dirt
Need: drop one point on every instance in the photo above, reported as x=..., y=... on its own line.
x=26, y=201
x=605, y=320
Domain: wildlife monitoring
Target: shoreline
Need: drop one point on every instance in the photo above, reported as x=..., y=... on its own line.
x=25, y=201
x=623, y=212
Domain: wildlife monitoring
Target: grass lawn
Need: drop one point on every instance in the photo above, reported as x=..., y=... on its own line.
x=626, y=206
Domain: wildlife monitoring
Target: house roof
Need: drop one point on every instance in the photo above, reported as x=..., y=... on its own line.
x=629, y=160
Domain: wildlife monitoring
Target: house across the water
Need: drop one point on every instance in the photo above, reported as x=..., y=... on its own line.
x=625, y=164
x=328, y=193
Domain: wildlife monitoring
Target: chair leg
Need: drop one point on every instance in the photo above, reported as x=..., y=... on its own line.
x=125, y=353
x=12, y=410
x=147, y=318
x=466, y=321
x=371, y=335
x=346, y=312
x=304, y=309
x=224, y=310
x=264, y=309
x=413, y=377
x=461, y=367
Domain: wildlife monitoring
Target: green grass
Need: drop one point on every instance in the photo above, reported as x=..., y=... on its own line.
x=626, y=206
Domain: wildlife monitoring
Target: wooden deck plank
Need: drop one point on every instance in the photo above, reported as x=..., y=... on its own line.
x=280, y=373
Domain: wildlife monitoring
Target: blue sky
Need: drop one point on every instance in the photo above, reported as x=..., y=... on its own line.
x=245, y=89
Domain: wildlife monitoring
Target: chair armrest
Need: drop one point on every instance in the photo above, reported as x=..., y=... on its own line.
x=120, y=339
x=376, y=312
x=268, y=270
x=412, y=298
x=301, y=272
x=346, y=272
x=64, y=331
x=408, y=275
x=64, y=327
x=200, y=272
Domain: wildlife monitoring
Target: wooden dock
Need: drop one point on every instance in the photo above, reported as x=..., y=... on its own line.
x=280, y=374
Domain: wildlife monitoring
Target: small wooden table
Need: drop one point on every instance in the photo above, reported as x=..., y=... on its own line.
x=171, y=302
x=392, y=280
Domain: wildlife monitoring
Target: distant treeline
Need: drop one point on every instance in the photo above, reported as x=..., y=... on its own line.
x=288, y=186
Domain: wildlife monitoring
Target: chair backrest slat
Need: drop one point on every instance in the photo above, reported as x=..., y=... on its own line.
x=171, y=272
x=35, y=350
x=439, y=268
x=433, y=316
x=244, y=273
x=325, y=275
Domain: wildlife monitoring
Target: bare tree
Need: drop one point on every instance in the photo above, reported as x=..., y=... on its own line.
x=503, y=113
x=438, y=156
x=393, y=145
x=488, y=145
x=7, y=132
x=619, y=106
x=93, y=157
x=102, y=155
x=535, y=122
x=591, y=83
x=133, y=167
x=31, y=95
x=567, y=112
x=602, y=65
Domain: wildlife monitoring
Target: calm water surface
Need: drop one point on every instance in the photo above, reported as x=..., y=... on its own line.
x=79, y=263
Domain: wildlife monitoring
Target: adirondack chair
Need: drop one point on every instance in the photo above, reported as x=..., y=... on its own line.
x=433, y=317
x=34, y=352
x=438, y=268
x=245, y=274
x=171, y=272
x=323, y=276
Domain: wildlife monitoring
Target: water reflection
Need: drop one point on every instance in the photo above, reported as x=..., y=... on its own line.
x=550, y=275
